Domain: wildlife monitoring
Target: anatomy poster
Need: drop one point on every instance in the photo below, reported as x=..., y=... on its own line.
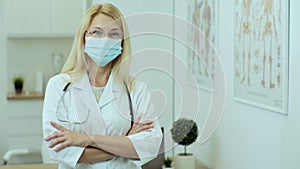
x=202, y=15
x=261, y=53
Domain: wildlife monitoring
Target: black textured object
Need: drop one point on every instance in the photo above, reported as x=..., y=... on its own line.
x=184, y=132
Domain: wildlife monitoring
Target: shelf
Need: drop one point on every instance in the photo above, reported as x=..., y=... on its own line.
x=25, y=96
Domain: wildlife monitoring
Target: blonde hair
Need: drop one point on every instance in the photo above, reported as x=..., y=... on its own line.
x=76, y=64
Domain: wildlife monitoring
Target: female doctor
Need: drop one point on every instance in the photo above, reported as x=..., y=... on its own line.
x=95, y=114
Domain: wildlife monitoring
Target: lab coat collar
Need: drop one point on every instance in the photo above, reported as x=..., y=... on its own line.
x=111, y=91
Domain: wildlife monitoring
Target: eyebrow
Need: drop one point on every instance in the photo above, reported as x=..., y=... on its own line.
x=113, y=29
x=98, y=28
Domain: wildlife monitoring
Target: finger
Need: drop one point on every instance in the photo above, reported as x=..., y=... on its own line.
x=144, y=128
x=148, y=122
x=52, y=136
x=137, y=121
x=61, y=146
x=56, y=141
x=139, y=125
x=148, y=130
x=57, y=126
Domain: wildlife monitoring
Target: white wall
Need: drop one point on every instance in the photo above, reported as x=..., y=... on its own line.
x=3, y=70
x=249, y=137
x=190, y=102
x=290, y=132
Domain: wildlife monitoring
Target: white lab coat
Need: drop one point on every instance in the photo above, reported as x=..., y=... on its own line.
x=110, y=116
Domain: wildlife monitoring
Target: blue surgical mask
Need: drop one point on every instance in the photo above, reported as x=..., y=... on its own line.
x=102, y=50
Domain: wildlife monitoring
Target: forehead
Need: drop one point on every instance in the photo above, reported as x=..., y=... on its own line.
x=104, y=21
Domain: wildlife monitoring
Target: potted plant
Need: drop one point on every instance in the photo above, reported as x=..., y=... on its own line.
x=18, y=83
x=184, y=132
x=168, y=163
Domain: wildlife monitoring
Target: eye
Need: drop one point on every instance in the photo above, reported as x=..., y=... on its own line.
x=116, y=34
x=95, y=33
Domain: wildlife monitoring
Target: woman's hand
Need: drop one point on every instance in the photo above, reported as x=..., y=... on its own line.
x=140, y=126
x=65, y=138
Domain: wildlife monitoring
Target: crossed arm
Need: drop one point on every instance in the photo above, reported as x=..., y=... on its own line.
x=92, y=154
x=97, y=147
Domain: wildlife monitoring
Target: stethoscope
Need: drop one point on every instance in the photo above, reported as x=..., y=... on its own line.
x=66, y=118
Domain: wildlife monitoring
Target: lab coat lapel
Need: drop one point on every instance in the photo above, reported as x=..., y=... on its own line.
x=84, y=101
x=111, y=92
x=82, y=93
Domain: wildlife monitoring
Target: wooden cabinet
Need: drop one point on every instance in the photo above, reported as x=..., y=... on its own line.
x=44, y=17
